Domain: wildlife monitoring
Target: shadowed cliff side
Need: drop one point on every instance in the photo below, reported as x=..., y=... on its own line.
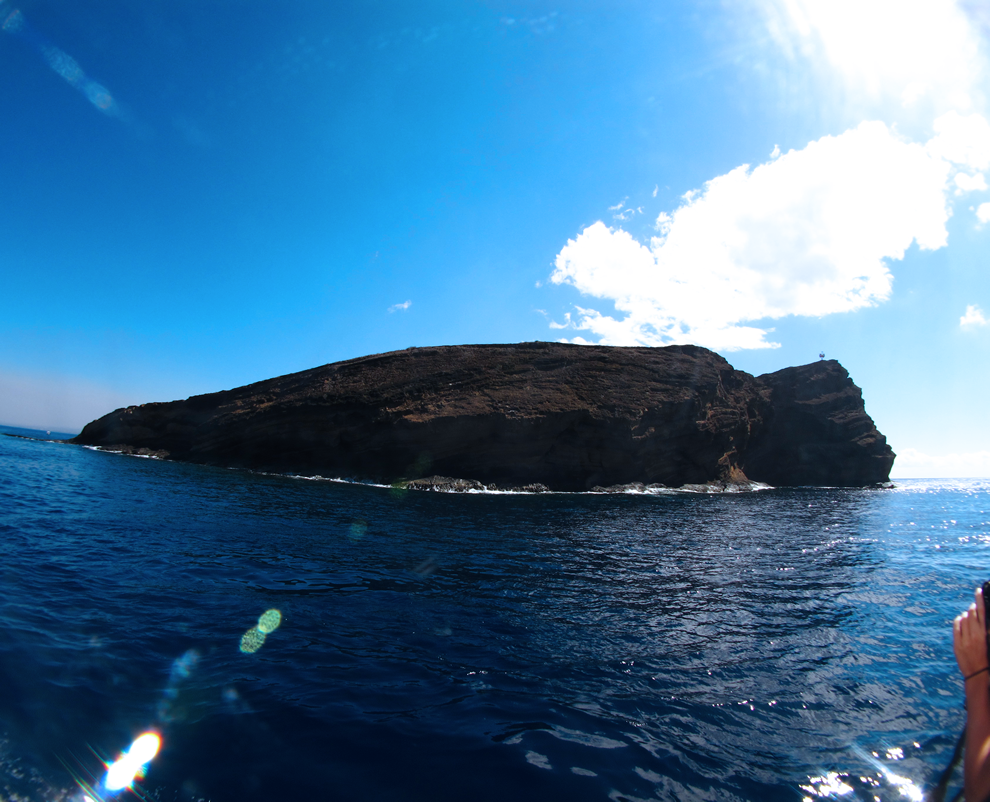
x=817, y=429
x=567, y=416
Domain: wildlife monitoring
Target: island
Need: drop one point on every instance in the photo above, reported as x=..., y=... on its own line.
x=533, y=416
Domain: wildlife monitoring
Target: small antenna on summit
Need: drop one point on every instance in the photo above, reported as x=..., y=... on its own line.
x=821, y=355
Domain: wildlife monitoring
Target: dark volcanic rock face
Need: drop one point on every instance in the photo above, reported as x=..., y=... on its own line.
x=818, y=430
x=566, y=416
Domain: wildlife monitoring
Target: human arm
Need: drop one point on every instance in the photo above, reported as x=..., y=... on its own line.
x=969, y=640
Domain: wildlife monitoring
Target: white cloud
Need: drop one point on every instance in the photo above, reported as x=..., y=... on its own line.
x=973, y=317
x=807, y=234
x=964, y=140
x=983, y=213
x=902, y=50
x=970, y=183
x=397, y=307
x=913, y=464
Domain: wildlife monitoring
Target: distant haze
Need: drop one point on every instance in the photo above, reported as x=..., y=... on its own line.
x=63, y=405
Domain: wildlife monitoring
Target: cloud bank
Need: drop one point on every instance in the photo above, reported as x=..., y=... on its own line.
x=809, y=233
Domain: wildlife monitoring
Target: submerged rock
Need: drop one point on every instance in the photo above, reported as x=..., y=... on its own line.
x=124, y=448
x=564, y=417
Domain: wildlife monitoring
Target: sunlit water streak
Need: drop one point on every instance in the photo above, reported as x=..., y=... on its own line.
x=773, y=645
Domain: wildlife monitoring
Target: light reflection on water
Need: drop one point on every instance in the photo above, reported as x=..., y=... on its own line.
x=761, y=646
x=881, y=783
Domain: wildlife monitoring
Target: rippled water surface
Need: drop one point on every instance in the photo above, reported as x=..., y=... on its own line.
x=774, y=645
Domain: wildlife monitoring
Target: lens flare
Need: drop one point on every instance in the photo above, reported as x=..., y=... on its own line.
x=358, y=530
x=132, y=763
x=254, y=638
x=269, y=621
x=61, y=62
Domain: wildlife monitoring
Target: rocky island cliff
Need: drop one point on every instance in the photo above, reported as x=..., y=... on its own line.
x=567, y=417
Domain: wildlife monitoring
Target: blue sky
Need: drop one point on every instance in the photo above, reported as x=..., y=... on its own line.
x=198, y=195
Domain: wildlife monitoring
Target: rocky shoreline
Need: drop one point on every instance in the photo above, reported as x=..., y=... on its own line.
x=447, y=484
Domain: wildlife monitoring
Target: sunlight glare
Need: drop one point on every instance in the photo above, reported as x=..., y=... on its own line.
x=829, y=784
x=123, y=772
x=904, y=48
x=905, y=785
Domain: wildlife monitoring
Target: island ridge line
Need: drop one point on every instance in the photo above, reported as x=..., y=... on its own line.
x=562, y=416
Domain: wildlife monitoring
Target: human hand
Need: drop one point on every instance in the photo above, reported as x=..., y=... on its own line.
x=969, y=637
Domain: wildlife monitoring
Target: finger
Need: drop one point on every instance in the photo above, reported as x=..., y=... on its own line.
x=981, y=610
x=969, y=627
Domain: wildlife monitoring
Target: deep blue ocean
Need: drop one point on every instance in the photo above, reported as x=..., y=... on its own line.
x=777, y=645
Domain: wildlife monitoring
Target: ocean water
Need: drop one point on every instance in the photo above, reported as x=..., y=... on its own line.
x=778, y=645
